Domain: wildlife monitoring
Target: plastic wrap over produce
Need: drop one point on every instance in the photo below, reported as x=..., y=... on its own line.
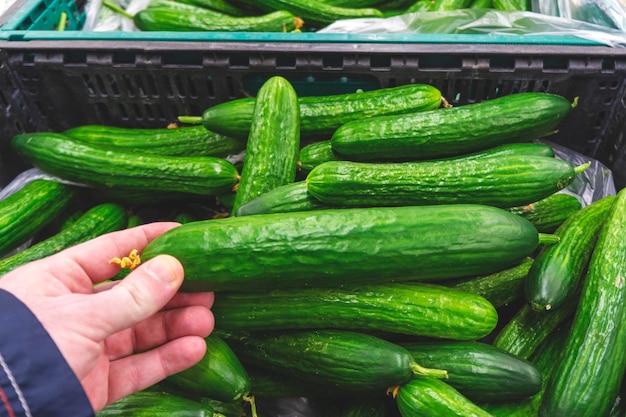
x=609, y=13
x=481, y=21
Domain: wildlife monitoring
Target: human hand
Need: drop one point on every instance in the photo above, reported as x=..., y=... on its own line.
x=118, y=337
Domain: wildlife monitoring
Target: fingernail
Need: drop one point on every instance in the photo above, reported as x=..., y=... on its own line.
x=163, y=269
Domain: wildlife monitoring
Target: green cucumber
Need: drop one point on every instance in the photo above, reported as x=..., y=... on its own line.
x=528, y=328
x=284, y=199
x=316, y=153
x=339, y=359
x=67, y=158
x=219, y=374
x=30, y=209
x=428, y=397
x=320, y=116
x=222, y=6
x=272, y=149
x=271, y=385
x=501, y=181
x=481, y=4
x=451, y=131
x=341, y=246
x=587, y=378
x=479, y=371
x=500, y=288
x=98, y=220
x=155, y=404
x=544, y=358
x=420, y=6
x=549, y=213
x=183, y=141
x=314, y=12
x=172, y=20
x=447, y=5
x=417, y=309
x=513, y=5
x=558, y=269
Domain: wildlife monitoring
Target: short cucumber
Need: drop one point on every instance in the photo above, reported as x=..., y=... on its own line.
x=314, y=154
x=67, y=158
x=223, y=6
x=500, y=288
x=481, y=4
x=98, y=220
x=183, y=141
x=272, y=148
x=284, y=199
x=501, y=181
x=155, y=404
x=513, y=5
x=320, y=116
x=479, y=371
x=219, y=374
x=549, y=213
x=342, y=246
x=428, y=397
x=339, y=359
x=587, y=377
x=558, y=269
x=450, y=131
x=405, y=308
x=30, y=209
x=420, y=6
x=528, y=328
x=172, y=20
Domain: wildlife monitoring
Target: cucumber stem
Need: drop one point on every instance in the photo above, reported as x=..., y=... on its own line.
x=194, y=120
x=582, y=168
x=117, y=9
x=548, y=239
x=417, y=369
x=575, y=102
x=62, y=22
x=250, y=399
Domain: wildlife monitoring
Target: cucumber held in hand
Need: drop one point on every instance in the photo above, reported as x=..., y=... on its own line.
x=451, y=131
x=342, y=246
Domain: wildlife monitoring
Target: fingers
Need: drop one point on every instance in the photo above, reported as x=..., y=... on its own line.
x=141, y=294
x=137, y=372
x=159, y=329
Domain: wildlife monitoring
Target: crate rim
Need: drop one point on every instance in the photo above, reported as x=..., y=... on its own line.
x=512, y=40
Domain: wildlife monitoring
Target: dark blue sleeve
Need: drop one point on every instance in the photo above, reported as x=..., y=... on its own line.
x=35, y=379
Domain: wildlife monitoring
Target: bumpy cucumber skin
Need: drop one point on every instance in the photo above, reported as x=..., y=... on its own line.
x=501, y=287
x=549, y=213
x=403, y=308
x=180, y=141
x=342, y=246
x=320, y=116
x=98, y=220
x=588, y=376
x=558, y=269
x=284, y=199
x=155, y=404
x=340, y=359
x=66, y=158
x=451, y=131
x=172, y=20
x=479, y=371
x=528, y=328
x=428, y=397
x=314, y=12
x=501, y=181
x=30, y=209
x=272, y=150
x=219, y=374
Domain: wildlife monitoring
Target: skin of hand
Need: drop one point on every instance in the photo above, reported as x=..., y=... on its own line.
x=122, y=336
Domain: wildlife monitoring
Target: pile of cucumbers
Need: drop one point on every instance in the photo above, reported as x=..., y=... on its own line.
x=380, y=253
x=288, y=15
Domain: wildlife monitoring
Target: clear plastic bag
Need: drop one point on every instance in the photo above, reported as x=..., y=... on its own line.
x=481, y=21
x=609, y=13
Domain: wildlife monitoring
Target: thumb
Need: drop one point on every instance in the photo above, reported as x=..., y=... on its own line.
x=139, y=295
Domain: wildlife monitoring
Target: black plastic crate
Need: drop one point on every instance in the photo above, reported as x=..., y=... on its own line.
x=61, y=84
